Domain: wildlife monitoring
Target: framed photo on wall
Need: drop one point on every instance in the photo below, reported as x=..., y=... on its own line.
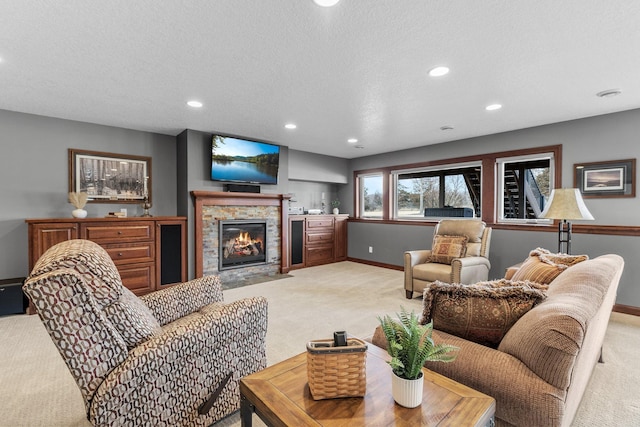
x=108, y=177
x=614, y=178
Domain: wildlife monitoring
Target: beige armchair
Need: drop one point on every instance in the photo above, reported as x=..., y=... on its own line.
x=421, y=269
x=170, y=358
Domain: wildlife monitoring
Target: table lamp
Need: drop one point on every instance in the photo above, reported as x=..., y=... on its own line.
x=565, y=204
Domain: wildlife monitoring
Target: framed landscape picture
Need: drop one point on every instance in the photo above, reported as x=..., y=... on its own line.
x=108, y=177
x=614, y=178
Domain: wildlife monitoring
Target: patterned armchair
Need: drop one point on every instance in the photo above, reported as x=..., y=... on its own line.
x=459, y=254
x=170, y=358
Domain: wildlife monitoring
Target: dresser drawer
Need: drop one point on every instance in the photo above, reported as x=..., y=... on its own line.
x=319, y=237
x=139, y=279
x=320, y=223
x=129, y=232
x=319, y=255
x=132, y=252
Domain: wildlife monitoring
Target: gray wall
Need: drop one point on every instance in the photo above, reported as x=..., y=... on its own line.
x=607, y=137
x=34, y=175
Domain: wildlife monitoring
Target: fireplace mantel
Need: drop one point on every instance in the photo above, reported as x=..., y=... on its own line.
x=213, y=198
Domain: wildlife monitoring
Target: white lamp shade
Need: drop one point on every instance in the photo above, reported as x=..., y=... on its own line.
x=566, y=203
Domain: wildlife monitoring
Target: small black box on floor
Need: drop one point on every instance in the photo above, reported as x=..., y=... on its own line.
x=243, y=188
x=12, y=299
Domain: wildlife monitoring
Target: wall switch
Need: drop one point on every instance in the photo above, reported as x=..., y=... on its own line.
x=370, y=249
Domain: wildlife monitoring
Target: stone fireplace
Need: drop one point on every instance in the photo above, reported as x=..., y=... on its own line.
x=214, y=210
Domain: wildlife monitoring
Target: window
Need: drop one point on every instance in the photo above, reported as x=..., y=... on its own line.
x=438, y=192
x=524, y=187
x=509, y=187
x=371, y=200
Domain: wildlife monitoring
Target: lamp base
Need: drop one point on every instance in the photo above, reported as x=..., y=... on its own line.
x=564, y=236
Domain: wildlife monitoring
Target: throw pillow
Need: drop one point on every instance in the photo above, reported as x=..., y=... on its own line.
x=446, y=248
x=132, y=319
x=482, y=312
x=543, y=266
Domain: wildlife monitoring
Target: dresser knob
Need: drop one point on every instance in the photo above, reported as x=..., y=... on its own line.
x=119, y=232
x=119, y=253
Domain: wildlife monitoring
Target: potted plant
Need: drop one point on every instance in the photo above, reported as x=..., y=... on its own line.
x=335, y=204
x=410, y=345
x=78, y=200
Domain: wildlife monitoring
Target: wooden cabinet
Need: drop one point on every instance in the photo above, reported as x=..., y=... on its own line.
x=148, y=252
x=317, y=239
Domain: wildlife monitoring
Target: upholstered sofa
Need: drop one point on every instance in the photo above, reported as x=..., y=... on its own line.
x=170, y=358
x=540, y=369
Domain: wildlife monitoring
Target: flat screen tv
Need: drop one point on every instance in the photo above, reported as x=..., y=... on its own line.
x=243, y=160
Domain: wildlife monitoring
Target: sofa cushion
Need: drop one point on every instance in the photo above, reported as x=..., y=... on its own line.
x=482, y=312
x=132, y=319
x=543, y=266
x=446, y=248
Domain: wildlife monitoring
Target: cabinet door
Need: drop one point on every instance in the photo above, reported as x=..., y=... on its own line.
x=44, y=236
x=171, y=250
x=296, y=236
x=340, y=239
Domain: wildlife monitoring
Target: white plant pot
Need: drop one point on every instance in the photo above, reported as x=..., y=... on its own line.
x=407, y=393
x=336, y=211
x=79, y=213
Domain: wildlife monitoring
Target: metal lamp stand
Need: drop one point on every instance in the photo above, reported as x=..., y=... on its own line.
x=564, y=236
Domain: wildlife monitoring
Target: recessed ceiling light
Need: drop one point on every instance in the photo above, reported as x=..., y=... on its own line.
x=195, y=104
x=439, y=71
x=493, y=107
x=290, y=126
x=352, y=140
x=359, y=146
x=609, y=93
x=326, y=3
x=446, y=127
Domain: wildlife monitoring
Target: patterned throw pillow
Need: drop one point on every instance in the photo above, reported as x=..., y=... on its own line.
x=446, y=248
x=482, y=312
x=132, y=319
x=543, y=266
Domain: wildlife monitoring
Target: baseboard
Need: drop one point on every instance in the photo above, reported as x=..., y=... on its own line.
x=626, y=309
x=377, y=264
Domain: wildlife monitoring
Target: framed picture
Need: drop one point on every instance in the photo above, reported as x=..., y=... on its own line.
x=108, y=177
x=614, y=178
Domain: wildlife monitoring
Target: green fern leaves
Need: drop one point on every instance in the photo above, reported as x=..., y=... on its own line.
x=411, y=345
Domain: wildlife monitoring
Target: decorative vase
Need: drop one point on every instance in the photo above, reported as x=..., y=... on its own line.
x=79, y=213
x=407, y=393
x=336, y=211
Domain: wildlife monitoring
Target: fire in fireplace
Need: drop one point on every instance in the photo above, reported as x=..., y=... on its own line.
x=242, y=243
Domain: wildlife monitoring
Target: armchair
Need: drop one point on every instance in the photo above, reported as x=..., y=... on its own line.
x=170, y=358
x=420, y=268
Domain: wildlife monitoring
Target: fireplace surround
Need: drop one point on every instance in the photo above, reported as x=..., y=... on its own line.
x=210, y=208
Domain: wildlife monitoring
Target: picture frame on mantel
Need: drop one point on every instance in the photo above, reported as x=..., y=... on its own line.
x=110, y=177
x=615, y=178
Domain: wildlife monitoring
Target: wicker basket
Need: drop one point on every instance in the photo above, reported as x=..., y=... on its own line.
x=336, y=371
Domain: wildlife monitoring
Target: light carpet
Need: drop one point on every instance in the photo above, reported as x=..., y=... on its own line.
x=37, y=389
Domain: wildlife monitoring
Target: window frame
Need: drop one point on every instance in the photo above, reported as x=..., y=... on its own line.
x=500, y=177
x=488, y=184
x=441, y=172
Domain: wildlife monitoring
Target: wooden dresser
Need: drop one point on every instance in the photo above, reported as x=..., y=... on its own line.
x=149, y=252
x=317, y=239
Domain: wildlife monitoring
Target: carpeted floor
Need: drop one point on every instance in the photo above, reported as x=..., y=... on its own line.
x=37, y=389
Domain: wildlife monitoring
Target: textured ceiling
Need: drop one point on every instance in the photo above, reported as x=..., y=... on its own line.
x=357, y=70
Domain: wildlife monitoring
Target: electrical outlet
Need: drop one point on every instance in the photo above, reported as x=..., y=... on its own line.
x=370, y=249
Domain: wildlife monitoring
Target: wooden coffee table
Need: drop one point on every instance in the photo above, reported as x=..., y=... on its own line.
x=280, y=396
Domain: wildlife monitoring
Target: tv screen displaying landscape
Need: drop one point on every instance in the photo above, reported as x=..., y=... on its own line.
x=242, y=160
